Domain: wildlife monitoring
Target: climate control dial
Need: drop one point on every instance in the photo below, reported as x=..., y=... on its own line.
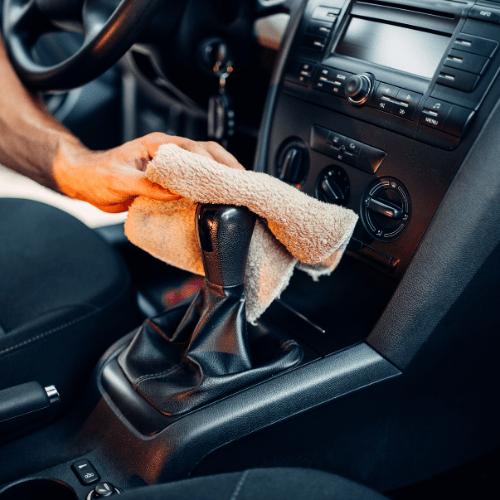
x=292, y=162
x=386, y=209
x=333, y=186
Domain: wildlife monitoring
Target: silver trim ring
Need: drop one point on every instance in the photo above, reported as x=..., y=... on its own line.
x=365, y=98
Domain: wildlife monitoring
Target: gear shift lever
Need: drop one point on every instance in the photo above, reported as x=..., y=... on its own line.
x=224, y=232
x=181, y=359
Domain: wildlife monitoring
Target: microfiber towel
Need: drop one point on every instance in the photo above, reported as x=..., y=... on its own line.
x=294, y=229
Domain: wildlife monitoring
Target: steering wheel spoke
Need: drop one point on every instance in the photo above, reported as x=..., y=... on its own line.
x=26, y=18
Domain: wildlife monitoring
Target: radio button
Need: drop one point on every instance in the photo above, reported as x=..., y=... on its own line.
x=466, y=61
x=340, y=78
x=319, y=28
x=412, y=98
x=457, y=121
x=316, y=43
x=402, y=110
x=434, y=113
x=384, y=90
x=303, y=73
x=324, y=80
x=484, y=13
x=406, y=104
x=382, y=97
x=322, y=84
x=456, y=79
x=325, y=14
x=475, y=45
x=327, y=73
x=331, y=80
x=383, y=104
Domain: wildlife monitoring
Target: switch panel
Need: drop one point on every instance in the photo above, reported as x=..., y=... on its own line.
x=85, y=472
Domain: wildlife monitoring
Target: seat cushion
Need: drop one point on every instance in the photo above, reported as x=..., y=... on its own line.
x=261, y=484
x=65, y=295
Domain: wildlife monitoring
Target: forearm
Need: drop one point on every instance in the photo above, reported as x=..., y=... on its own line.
x=30, y=138
x=35, y=144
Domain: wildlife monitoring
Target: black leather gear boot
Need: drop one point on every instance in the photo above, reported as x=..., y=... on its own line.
x=180, y=364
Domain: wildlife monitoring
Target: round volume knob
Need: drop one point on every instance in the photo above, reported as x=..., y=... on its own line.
x=359, y=88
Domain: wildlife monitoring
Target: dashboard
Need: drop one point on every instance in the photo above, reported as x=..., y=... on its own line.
x=378, y=104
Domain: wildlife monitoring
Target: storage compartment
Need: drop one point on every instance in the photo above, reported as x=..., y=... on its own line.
x=38, y=489
x=337, y=311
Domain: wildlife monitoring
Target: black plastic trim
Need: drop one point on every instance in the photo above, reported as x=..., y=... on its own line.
x=444, y=264
x=186, y=441
x=296, y=10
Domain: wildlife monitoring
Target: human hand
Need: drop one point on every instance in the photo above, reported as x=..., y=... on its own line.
x=111, y=180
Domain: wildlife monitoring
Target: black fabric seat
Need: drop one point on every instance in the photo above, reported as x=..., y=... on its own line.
x=259, y=484
x=65, y=295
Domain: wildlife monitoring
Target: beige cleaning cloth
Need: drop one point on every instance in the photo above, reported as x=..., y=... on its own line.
x=296, y=230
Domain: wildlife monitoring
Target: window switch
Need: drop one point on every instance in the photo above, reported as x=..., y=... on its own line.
x=85, y=472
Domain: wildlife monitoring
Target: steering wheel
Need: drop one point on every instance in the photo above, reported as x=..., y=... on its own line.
x=110, y=28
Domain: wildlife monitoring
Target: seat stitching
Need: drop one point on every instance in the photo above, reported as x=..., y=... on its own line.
x=44, y=314
x=239, y=485
x=116, y=298
x=49, y=332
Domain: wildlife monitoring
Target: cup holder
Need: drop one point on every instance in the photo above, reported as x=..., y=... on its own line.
x=38, y=489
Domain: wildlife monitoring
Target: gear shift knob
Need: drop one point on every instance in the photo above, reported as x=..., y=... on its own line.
x=224, y=232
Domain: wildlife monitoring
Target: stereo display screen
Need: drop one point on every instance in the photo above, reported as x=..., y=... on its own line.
x=406, y=49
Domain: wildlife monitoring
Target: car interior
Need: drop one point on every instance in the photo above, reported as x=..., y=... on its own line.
x=387, y=373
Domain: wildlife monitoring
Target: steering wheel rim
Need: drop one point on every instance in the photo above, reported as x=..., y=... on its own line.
x=110, y=29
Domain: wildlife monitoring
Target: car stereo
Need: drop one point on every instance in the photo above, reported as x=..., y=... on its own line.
x=410, y=67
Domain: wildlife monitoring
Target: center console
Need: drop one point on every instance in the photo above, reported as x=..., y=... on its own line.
x=376, y=107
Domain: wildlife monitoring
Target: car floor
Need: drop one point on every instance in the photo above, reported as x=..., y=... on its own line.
x=476, y=479
x=14, y=185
